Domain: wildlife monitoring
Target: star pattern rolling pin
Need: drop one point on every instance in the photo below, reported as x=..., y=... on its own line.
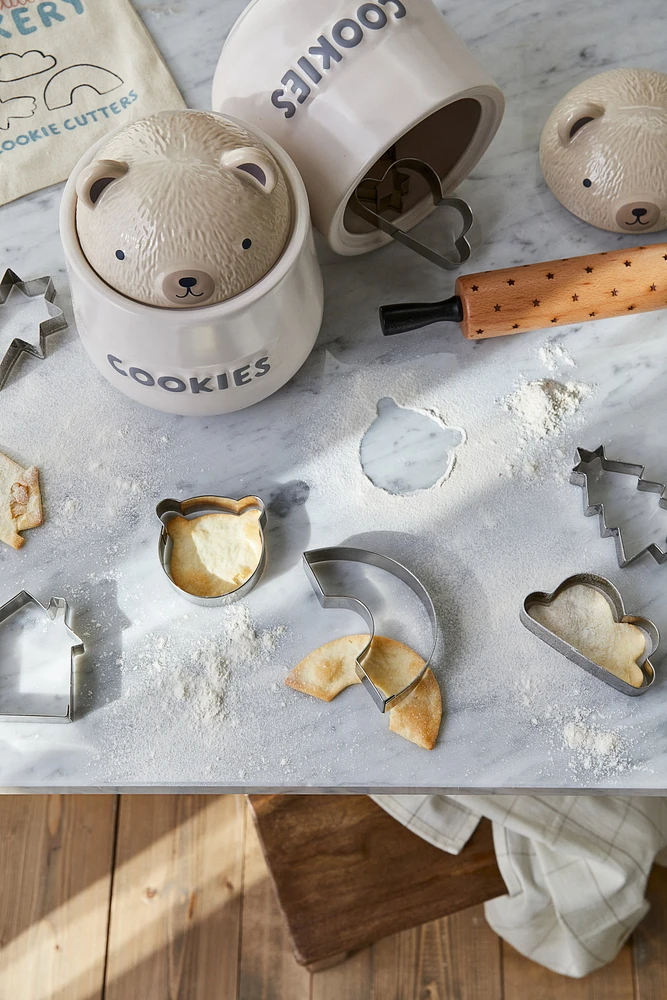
x=540, y=296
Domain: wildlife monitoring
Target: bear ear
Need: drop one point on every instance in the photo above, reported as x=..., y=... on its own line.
x=96, y=177
x=255, y=165
x=578, y=119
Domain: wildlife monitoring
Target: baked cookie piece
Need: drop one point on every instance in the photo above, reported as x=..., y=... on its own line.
x=327, y=671
x=20, y=501
x=214, y=554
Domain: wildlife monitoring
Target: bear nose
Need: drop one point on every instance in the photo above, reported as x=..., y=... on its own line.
x=638, y=212
x=187, y=282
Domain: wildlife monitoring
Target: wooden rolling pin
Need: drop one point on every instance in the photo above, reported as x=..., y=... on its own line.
x=536, y=296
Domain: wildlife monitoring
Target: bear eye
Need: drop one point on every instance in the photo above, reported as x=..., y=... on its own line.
x=587, y=183
x=246, y=244
x=120, y=255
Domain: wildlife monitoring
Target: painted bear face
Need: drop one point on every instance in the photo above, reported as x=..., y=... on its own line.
x=182, y=209
x=603, y=151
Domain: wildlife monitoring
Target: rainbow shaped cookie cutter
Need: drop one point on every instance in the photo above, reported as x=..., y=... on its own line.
x=342, y=553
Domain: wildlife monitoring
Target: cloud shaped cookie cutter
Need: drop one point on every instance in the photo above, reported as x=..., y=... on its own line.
x=167, y=509
x=615, y=601
x=342, y=553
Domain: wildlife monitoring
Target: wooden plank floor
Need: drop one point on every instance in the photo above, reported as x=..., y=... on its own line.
x=168, y=898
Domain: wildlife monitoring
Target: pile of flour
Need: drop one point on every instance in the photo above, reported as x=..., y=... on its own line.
x=543, y=405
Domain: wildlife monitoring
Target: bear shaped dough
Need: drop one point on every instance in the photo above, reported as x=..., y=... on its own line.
x=214, y=554
x=603, y=151
x=182, y=209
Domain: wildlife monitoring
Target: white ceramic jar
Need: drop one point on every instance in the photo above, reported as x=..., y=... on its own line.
x=207, y=360
x=339, y=84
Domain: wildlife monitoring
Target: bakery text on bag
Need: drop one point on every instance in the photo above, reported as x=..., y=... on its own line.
x=24, y=21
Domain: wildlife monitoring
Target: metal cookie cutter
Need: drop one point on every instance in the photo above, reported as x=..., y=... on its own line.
x=615, y=601
x=367, y=195
x=36, y=288
x=167, y=509
x=342, y=553
x=579, y=477
x=57, y=610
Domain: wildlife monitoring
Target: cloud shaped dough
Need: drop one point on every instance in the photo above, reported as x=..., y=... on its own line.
x=582, y=617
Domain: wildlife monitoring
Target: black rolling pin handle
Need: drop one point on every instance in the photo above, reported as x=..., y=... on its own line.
x=407, y=316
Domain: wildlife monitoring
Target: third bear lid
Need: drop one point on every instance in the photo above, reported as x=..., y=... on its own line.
x=604, y=151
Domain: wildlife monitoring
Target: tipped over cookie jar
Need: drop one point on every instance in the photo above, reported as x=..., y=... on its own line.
x=195, y=283
x=347, y=89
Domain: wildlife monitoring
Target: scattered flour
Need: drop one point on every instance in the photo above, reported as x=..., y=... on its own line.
x=591, y=740
x=555, y=357
x=543, y=405
x=594, y=750
x=197, y=674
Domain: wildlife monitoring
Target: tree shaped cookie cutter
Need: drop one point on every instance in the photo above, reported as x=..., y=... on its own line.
x=342, y=553
x=579, y=477
x=57, y=610
x=615, y=601
x=168, y=509
x=35, y=288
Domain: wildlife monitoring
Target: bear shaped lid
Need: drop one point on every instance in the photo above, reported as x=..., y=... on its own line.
x=182, y=209
x=604, y=148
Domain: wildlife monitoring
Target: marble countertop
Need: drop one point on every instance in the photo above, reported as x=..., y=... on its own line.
x=500, y=521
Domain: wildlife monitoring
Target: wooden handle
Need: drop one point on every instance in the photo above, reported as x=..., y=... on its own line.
x=574, y=290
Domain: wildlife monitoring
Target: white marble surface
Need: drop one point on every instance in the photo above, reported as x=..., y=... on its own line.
x=481, y=540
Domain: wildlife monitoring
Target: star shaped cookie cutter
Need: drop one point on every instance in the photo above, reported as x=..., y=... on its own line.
x=579, y=477
x=34, y=288
x=57, y=610
x=343, y=553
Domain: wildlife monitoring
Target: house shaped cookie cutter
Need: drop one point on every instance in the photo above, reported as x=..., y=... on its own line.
x=615, y=601
x=57, y=610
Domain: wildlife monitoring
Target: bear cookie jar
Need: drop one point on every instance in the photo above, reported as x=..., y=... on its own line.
x=195, y=283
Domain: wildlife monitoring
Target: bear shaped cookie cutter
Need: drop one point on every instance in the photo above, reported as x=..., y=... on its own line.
x=168, y=509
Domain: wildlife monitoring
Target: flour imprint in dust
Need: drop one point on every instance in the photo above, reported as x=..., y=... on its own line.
x=406, y=450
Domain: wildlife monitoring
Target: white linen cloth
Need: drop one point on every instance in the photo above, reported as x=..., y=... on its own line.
x=70, y=71
x=575, y=867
